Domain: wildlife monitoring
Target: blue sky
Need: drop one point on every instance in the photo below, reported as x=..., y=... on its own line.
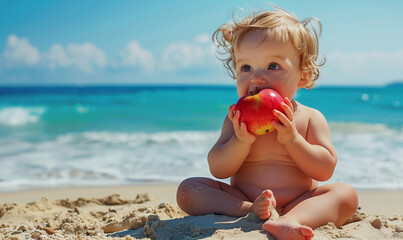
x=169, y=42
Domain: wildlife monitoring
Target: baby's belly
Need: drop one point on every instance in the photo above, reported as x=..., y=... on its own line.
x=285, y=180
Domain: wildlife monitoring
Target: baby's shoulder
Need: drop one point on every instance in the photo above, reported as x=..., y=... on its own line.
x=309, y=113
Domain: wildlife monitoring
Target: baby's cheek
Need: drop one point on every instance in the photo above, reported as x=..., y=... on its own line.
x=242, y=86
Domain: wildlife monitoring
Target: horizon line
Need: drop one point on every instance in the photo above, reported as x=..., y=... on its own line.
x=113, y=85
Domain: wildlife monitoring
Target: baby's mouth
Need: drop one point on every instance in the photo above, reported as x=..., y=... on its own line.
x=256, y=91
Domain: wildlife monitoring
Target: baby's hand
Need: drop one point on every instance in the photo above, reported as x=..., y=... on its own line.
x=286, y=129
x=240, y=129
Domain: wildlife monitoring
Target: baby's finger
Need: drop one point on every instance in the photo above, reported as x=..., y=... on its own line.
x=232, y=108
x=276, y=125
x=282, y=118
x=288, y=102
x=288, y=111
x=243, y=131
x=235, y=119
x=243, y=128
x=231, y=112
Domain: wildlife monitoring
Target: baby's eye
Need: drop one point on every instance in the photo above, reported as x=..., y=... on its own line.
x=246, y=68
x=273, y=66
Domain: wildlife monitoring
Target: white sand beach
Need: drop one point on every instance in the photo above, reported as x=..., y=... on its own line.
x=151, y=212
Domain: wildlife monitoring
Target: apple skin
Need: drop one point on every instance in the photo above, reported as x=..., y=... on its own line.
x=257, y=111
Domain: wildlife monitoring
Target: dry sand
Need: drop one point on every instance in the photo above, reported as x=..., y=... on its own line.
x=150, y=211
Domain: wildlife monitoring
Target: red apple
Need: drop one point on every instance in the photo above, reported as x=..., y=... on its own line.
x=257, y=111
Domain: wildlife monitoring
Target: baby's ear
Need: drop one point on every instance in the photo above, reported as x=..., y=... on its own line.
x=306, y=79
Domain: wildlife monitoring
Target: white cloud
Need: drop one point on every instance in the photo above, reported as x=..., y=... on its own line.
x=133, y=55
x=203, y=38
x=196, y=53
x=373, y=67
x=57, y=56
x=20, y=52
x=84, y=56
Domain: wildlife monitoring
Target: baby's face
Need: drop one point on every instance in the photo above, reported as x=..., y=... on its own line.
x=266, y=63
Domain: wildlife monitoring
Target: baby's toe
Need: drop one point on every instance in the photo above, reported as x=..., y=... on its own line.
x=265, y=216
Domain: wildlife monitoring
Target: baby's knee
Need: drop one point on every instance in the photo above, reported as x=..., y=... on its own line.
x=347, y=196
x=186, y=193
x=183, y=191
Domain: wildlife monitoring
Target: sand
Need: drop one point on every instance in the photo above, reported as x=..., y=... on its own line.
x=150, y=212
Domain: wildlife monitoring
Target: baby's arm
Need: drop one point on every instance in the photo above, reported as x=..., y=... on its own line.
x=315, y=155
x=232, y=148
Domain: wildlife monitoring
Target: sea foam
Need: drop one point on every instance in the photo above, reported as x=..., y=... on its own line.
x=369, y=156
x=17, y=116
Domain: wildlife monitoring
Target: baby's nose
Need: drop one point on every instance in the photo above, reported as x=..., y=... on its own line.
x=258, y=80
x=257, y=83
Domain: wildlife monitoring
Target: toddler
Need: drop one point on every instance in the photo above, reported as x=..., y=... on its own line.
x=280, y=170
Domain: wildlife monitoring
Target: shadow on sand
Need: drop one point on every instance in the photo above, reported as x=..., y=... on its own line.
x=199, y=227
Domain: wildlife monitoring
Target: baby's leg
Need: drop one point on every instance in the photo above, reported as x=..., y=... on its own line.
x=329, y=203
x=199, y=196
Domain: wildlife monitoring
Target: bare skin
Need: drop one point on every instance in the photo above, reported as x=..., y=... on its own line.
x=263, y=204
x=281, y=169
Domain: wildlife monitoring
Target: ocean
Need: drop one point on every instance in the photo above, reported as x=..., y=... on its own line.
x=52, y=137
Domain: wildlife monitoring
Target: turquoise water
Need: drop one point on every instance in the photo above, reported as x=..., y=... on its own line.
x=67, y=136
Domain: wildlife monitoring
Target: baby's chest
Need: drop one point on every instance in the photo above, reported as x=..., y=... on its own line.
x=267, y=147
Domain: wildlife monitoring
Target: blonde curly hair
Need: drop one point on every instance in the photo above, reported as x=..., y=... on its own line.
x=281, y=25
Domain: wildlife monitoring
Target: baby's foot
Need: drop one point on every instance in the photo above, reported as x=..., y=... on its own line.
x=288, y=228
x=263, y=205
